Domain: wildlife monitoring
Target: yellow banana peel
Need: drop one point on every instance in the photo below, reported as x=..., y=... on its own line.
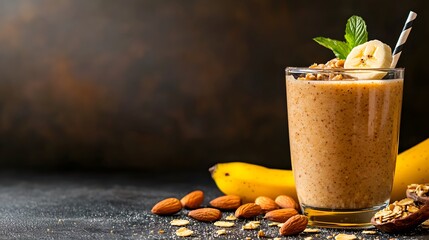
x=412, y=166
x=250, y=181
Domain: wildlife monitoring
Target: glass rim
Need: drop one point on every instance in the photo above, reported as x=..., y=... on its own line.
x=348, y=74
x=307, y=69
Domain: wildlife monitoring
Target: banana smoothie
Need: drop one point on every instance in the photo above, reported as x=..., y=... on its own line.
x=343, y=140
x=343, y=129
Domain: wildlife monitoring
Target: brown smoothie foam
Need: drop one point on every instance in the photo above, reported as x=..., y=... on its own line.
x=343, y=140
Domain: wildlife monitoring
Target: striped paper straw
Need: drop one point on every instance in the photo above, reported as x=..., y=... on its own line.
x=403, y=38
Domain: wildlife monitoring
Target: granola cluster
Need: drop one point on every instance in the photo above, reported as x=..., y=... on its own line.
x=331, y=64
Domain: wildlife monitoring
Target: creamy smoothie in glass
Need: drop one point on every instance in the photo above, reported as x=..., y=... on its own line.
x=344, y=141
x=343, y=119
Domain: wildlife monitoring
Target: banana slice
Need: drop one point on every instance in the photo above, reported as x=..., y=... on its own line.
x=372, y=54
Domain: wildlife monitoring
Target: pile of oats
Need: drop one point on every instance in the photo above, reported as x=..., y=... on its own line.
x=398, y=209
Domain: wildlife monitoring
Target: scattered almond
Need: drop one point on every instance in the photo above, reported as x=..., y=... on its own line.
x=179, y=222
x=227, y=202
x=294, y=225
x=343, y=236
x=280, y=215
x=248, y=210
x=261, y=234
x=285, y=201
x=267, y=204
x=184, y=232
x=224, y=224
x=161, y=231
x=205, y=214
x=193, y=199
x=167, y=207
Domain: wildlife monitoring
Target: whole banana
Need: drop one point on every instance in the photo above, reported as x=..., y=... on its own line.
x=250, y=181
x=412, y=166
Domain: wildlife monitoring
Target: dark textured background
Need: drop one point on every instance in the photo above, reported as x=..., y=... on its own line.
x=155, y=85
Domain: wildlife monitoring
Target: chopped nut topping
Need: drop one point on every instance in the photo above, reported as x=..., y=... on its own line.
x=331, y=64
x=340, y=63
x=338, y=77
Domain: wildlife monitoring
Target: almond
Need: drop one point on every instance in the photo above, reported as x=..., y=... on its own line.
x=227, y=202
x=248, y=210
x=205, y=214
x=267, y=204
x=193, y=199
x=294, y=225
x=285, y=201
x=167, y=206
x=280, y=215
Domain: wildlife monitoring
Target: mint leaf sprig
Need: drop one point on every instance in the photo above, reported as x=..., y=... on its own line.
x=355, y=35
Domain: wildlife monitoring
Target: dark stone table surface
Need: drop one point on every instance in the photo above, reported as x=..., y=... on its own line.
x=36, y=205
